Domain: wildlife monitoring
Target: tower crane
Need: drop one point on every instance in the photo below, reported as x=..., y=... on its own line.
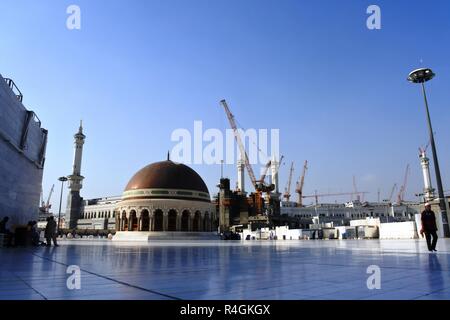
x=259, y=186
x=401, y=193
x=287, y=190
x=300, y=183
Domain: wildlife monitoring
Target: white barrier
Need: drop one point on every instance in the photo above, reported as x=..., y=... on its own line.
x=398, y=230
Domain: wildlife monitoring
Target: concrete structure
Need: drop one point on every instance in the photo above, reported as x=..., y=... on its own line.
x=399, y=230
x=22, y=156
x=74, y=200
x=165, y=197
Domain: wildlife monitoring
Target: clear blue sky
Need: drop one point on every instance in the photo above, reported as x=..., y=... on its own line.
x=137, y=70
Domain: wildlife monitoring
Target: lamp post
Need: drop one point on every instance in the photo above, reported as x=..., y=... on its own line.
x=421, y=76
x=62, y=179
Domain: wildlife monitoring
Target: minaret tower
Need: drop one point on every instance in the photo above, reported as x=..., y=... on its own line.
x=428, y=190
x=241, y=174
x=74, y=201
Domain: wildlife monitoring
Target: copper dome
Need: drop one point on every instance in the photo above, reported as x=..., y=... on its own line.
x=167, y=175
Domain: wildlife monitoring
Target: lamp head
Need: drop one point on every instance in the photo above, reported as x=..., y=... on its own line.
x=420, y=75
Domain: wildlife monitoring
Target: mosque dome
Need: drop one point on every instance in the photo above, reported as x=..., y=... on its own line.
x=166, y=179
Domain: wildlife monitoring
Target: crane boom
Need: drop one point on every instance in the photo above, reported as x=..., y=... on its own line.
x=263, y=176
x=50, y=195
x=239, y=142
x=287, y=190
x=300, y=184
x=392, y=192
x=401, y=193
x=316, y=195
x=333, y=194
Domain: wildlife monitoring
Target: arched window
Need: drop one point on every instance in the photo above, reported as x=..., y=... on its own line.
x=185, y=220
x=145, y=220
x=206, y=222
x=196, y=223
x=133, y=221
x=158, y=216
x=124, y=221
x=172, y=221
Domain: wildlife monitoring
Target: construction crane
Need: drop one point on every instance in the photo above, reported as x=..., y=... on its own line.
x=45, y=206
x=300, y=183
x=280, y=163
x=317, y=196
x=389, y=199
x=401, y=193
x=239, y=142
x=287, y=190
x=259, y=186
x=355, y=190
x=263, y=175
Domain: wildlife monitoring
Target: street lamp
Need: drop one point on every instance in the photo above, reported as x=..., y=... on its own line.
x=421, y=76
x=62, y=179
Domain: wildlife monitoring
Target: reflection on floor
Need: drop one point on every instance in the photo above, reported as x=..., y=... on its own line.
x=316, y=269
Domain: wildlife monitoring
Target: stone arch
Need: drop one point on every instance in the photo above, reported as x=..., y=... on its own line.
x=185, y=220
x=133, y=221
x=145, y=220
x=158, y=224
x=172, y=220
x=206, y=222
x=197, y=221
x=124, y=221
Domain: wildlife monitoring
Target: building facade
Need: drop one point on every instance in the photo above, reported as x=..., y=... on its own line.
x=99, y=214
x=22, y=156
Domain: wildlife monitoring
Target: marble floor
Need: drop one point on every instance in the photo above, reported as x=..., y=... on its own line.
x=216, y=270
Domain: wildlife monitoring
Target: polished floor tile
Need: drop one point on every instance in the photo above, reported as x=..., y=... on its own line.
x=230, y=270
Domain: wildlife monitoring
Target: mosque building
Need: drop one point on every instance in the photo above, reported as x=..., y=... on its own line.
x=162, y=197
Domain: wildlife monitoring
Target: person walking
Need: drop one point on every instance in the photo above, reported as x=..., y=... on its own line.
x=429, y=227
x=4, y=229
x=50, y=231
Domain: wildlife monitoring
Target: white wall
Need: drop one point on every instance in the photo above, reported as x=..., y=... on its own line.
x=365, y=222
x=398, y=230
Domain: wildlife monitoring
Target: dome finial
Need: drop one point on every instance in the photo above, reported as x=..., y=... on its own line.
x=168, y=155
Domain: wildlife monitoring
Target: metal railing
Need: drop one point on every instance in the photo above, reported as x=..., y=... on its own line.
x=14, y=89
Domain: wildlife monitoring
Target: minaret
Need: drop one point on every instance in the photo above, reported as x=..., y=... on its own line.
x=241, y=174
x=428, y=190
x=274, y=168
x=74, y=201
x=275, y=195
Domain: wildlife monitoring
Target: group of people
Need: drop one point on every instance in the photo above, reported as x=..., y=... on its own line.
x=32, y=233
x=428, y=230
